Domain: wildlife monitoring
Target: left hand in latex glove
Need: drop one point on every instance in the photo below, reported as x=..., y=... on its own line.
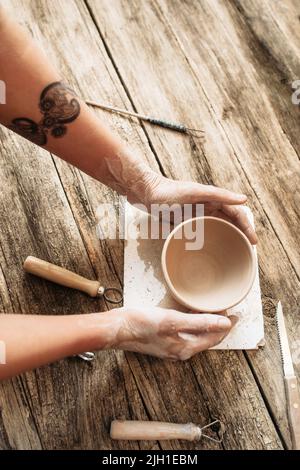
x=217, y=202
x=167, y=333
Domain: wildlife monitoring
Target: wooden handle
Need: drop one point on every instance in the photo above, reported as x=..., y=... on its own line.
x=61, y=276
x=153, y=430
x=293, y=403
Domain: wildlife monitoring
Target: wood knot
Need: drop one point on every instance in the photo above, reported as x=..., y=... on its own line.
x=269, y=307
x=284, y=80
x=227, y=111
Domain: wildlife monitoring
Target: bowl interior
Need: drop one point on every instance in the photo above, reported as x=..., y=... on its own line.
x=214, y=277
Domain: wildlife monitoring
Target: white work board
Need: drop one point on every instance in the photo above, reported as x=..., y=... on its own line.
x=144, y=285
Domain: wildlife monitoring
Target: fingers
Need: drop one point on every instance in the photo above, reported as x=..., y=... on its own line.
x=191, y=192
x=215, y=200
x=209, y=341
x=221, y=215
x=240, y=219
x=235, y=215
x=202, y=323
x=208, y=193
x=197, y=343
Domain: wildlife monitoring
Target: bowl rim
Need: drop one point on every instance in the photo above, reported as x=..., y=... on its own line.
x=191, y=305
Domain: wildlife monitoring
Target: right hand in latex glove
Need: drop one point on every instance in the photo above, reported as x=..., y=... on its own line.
x=168, y=333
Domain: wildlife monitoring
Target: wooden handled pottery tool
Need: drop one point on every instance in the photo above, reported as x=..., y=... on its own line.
x=290, y=380
x=158, y=431
x=67, y=278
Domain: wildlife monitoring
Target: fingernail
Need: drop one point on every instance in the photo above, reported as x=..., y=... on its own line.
x=223, y=322
x=242, y=197
x=234, y=319
x=250, y=233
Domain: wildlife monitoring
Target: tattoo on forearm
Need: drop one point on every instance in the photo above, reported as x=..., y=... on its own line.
x=58, y=107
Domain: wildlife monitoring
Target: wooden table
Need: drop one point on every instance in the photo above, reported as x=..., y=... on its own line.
x=226, y=67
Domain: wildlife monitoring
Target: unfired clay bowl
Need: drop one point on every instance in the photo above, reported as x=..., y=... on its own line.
x=215, y=277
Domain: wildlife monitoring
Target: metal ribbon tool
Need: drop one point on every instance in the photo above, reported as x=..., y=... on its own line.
x=67, y=278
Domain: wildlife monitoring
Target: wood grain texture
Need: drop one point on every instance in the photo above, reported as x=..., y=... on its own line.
x=142, y=55
x=194, y=89
x=71, y=403
x=272, y=32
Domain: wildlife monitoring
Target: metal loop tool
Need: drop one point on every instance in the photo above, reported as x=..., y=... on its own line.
x=105, y=292
x=67, y=278
x=159, y=431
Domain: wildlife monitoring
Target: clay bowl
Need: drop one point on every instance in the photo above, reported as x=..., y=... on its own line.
x=212, y=278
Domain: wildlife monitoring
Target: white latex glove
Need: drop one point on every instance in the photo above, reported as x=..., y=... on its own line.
x=217, y=202
x=168, y=333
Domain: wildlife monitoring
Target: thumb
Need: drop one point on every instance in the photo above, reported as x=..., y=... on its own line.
x=212, y=339
x=200, y=323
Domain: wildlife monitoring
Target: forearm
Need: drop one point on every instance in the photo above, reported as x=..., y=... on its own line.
x=30, y=341
x=70, y=130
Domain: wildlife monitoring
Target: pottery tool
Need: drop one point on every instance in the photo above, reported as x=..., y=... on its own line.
x=87, y=356
x=290, y=380
x=156, y=122
x=159, y=431
x=67, y=278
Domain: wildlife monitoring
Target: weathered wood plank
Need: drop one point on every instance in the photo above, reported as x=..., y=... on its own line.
x=41, y=21
x=71, y=404
x=276, y=26
x=222, y=383
x=271, y=29
x=264, y=77
x=15, y=412
x=86, y=220
x=245, y=110
x=43, y=386
x=179, y=410
x=133, y=78
x=162, y=81
x=171, y=393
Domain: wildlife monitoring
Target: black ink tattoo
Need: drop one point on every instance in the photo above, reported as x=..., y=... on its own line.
x=58, y=107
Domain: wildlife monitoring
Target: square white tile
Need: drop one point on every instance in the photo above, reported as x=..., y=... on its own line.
x=144, y=285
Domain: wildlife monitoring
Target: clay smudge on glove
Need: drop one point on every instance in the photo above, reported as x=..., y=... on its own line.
x=128, y=176
x=133, y=339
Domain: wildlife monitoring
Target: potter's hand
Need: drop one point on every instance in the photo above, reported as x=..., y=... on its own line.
x=168, y=333
x=217, y=202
